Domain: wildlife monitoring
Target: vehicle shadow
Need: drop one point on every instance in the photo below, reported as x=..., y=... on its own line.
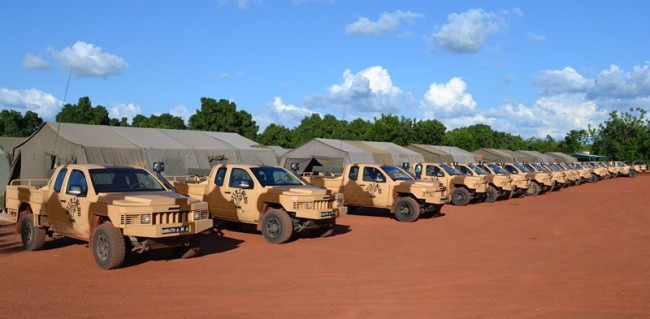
x=383, y=213
x=211, y=243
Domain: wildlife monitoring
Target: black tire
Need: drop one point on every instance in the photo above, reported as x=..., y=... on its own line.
x=276, y=226
x=491, y=195
x=33, y=237
x=407, y=209
x=632, y=174
x=108, y=246
x=460, y=196
x=534, y=189
x=189, y=249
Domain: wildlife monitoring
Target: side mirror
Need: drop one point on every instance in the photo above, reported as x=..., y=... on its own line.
x=295, y=166
x=245, y=185
x=405, y=165
x=76, y=190
x=159, y=167
x=379, y=179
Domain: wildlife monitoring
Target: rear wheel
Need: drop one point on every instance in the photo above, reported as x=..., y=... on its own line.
x=32, y=236
x=276, y=226
x=406, y=209
x=108, y=246
x=460, y=196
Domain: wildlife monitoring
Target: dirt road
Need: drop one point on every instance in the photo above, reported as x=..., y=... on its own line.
x=582, y=252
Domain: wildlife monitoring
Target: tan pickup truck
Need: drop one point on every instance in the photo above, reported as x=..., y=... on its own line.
x=499, y=185
x=383, y=186
x=540, y=181
x=461, y=189
x=113, y=208
x=272, y=198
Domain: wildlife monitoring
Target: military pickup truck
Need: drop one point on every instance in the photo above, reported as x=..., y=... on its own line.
x=462, y=189
x=113, y=208
x=500, y=184
x=540, y=181
x=383, y=186
x=272, y=198
x=520, y=183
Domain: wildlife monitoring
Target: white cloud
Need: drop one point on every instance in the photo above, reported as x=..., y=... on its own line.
x=31, y=61
x=366, y=94
x=182, y=112
x=448, y=100
x=85, y=59
x=125, y=110
x=387, y=23
x=44, y=104
x=241, y=4
x=288, y=115
x=535, y=37
x=467, y=32
x=565, y=80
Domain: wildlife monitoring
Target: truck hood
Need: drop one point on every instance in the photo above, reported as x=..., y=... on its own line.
x=145, y=199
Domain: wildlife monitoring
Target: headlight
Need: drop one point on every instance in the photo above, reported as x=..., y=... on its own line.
x=309, y=205
x=145, y=219
x=197, y=215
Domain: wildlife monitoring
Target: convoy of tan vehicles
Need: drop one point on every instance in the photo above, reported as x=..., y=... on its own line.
x=540, y=181
x=272, y=198
x=499, y=185
x=113, y=208
x=519, y=182
x=383, y=186
x=462, y=189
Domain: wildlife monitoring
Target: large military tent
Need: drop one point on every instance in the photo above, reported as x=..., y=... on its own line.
x=538, y=157
x=517, y=157
x=561, y=157
x=58, y=143
x=444, y=154
x=337, y=153
x=494, y=155
x=7, y=145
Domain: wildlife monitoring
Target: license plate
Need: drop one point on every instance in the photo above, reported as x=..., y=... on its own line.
x=176, y=230
x=328, y=214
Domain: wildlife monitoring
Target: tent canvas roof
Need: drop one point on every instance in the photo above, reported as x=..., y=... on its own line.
x=493, y=155
x=337, y=153
x=56, y=143
x=442, y=154
x=561, y=157
x=539, y=157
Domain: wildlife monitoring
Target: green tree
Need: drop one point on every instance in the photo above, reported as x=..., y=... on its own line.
x=429, y=132
x=357, y=130
x=276, y=135
x=462, y=138
x=115, y=122
x=547, y=144
x=83, y=113
x=222, y=116
x=390, y=128
x=575, y=141
x=314, y=126
x=164, y=120
x=12, y=123
x=623, y=137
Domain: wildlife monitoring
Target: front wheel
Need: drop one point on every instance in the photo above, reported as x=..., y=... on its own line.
x=632, y=174
x=407, y=209
x=460, y=196
x=108, y=246
x=32, y=236
x=534, y=189
x=276, y=226
x=491, y=194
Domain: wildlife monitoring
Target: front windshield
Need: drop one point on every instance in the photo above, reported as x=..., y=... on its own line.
x=539, y=167
x=522, y=168
x=477, y=169
x=497, y=169
x=396, y=173
x=450, y=170
x=274, y=176
x=123, y=179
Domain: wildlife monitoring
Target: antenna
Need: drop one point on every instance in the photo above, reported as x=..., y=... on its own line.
x=58, y=124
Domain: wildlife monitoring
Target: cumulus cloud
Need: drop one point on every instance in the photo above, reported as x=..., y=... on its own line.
x=182, y=112
x=280, y=113
x=42, y=103
x=85, y=59
x=125, y=110
x=387, y=23
x=467, y=32
x=448, y=100
x=31, y=61
x=565, y=80
x=366, y=94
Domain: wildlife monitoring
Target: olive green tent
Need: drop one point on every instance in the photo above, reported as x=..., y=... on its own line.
x=444, y=154
x=7, y=145
x=60, y=143
x=494, y=155
x=561, y=157
x=336, y=153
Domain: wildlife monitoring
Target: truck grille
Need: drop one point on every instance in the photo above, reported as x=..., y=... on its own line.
x=317, y=205
x=158, y=218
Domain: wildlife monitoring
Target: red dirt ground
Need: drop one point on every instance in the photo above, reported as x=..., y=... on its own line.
x=582, y=252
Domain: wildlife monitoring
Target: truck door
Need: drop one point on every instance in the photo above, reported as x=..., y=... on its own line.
x=236, y=190
x=220, y=197
x=377, y=188
x=70, y=216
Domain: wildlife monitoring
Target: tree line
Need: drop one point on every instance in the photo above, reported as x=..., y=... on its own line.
x=624, y=136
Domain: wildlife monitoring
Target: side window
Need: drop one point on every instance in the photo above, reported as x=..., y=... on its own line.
x=238, y=178
x=59, y=180
x=434, y=171
x=371, y=174
x=77, y=178
x=354, y=173
x=221, y=175
x=511, y=169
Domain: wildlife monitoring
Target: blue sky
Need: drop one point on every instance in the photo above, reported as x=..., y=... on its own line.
x=530, y=68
